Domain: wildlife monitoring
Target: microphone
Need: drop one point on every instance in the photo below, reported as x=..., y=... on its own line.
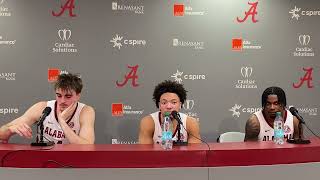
x=45, y=113
x=176, y=116
x=39, y=140
x=295, y=112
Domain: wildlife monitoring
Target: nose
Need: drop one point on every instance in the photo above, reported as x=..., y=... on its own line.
x=169, y=105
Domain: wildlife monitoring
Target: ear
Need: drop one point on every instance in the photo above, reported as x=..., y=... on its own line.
x=78, y=96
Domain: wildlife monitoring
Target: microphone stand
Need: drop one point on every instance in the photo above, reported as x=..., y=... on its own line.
x=179, y=142
x=299, y=140
x=41, y=142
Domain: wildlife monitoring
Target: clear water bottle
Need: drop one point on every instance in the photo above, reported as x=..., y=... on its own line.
x=166, y=139
x=278, y=129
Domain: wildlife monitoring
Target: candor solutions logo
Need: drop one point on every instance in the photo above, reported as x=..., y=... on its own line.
x=119, y=41
x=246, y=82
x=188, y=108
x=8, y=76
x=6, y=111
x=238, y=44
x=6, y=42
x=182, y=10
x=304, y=49
x=179, y=76
x=298, y=13
x=136, y=9
x=4, y=11
x=189, y=44
x=120, y=109
x=64, y=45
x=237, y=109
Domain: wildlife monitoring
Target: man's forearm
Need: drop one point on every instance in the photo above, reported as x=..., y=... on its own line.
x=71, y=135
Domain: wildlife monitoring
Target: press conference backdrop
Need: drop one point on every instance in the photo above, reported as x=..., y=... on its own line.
x=225, y=52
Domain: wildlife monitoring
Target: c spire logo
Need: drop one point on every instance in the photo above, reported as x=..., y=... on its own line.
x=117, y=41
x=294, y=13
x=64, y=34
x=177, y=76
x=251, y=12
x=297, y=13
x=235, y=110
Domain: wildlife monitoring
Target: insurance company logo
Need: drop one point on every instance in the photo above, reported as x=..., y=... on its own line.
x=246, y=82
x=238, y=44
x=182, y=10
x=53, y=74
x=304, y=49
x=179, y=76
x=298, y=13
x=64, y=45
x=119, y=41
x=120, y=109
x=136, y=9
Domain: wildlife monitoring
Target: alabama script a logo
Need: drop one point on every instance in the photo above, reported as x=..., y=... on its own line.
x=132, y=75
x=69, y=5
x=306, y=78
x=251, y=12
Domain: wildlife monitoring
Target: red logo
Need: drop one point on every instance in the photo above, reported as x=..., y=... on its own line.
x=237, y=44
x=252, y=12
x=53, y=75
x=178, y=10
x=306, y=78
x=69, y=5
x=131, y=75
x=117, y=109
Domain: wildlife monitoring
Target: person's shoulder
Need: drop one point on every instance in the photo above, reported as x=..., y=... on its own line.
x=87, y=109
x=147, y=118
x=191, y=119
x=40, y=105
